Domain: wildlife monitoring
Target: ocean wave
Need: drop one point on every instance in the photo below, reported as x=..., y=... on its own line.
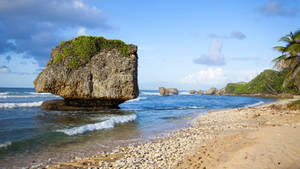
x=4, y=145
x=137, y=99
x=3, y=93
x=25, y=96
x=110, y=123
x=34, y=93
x=150, y=93
x=190, y=107
x=17, y=105
x=255, y=104
x=184, y=93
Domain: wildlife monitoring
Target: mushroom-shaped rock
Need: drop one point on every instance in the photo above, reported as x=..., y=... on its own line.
x=89, y=73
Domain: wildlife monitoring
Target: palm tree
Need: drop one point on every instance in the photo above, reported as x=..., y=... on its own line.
x=290, y=57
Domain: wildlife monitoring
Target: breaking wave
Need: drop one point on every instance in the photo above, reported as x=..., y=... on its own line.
x=17, y=105
x=255, y=104
x=34, y=93
x=150, y=93
x=25, y=96
x=110, y=123
x=190, y=107
x=4, y=145
x=137, y=99
x=3, y=93
x=184, y=93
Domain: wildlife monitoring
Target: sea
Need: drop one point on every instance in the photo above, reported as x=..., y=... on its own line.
x=30, y=136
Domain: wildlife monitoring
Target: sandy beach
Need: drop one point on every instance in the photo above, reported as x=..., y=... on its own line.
x=256, y=137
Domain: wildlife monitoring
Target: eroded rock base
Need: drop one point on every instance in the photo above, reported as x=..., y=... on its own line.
x=80, y=104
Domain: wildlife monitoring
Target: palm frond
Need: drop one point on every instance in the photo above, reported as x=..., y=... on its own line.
x=287, y=38
x=294, y=47
x=297, y=36
x=279, y=48
x=279, y=58
x=291, y=57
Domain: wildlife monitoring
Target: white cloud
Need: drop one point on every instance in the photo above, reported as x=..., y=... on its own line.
x=243, y=76
x=276, y=8
x=215, y=56
x=211, y=77
x=233, y=35
x=237, y=35
x=216, y=77
x=78, y=4
x=81, y=31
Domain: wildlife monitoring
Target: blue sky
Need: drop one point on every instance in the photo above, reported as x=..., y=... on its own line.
x=190, y=44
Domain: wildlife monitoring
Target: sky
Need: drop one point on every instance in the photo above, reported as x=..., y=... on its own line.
x=187, y=44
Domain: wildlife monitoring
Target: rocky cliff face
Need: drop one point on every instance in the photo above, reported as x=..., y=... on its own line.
x=105, y=77
x=167, y=91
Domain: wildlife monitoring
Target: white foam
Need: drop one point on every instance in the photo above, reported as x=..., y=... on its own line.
x=25, y=96
x=3, y=93
x=4, y=145
x=255, y=104
x=190, y=107
x=137, y=99
x=16, y=105
x=34, y=93
x=110, y=123
x=151, y=93
x=184, y=93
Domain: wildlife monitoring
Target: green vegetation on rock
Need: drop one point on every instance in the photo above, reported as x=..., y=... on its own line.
x=74, y=63
x=83, y=47
x=293, y=104
x=267, y=82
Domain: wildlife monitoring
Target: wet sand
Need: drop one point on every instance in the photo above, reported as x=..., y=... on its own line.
x=267, y=136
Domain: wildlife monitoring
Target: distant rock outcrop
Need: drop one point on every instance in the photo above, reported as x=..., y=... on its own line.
x=173, y=91
x=192, y=92
x=221, y=92
x=211, y=91
x=166, y=92
x=90, y=72
x=163, y=91
x=200, y=92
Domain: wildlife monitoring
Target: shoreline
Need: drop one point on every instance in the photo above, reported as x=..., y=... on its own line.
x=213, y=140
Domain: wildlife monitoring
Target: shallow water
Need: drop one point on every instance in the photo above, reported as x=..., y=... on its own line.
x=27, y=132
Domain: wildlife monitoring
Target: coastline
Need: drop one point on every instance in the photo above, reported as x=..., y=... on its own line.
x=231, y=138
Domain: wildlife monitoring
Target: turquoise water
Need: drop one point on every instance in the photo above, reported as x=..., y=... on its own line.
x=27, y=132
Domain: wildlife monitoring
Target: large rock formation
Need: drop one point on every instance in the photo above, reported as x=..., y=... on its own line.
x=90, y=72
x=166, y=92
x=173, y=91
x=163, y=91
x=211, y=91
x=220, y=92
x=200, y=92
